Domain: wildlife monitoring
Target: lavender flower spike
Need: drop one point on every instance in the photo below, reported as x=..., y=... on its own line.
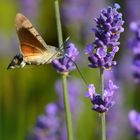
x=134, y=118
x=48, y=125
x=102, y=104
x=65, y=64
x=134, y=44
x=107, y=32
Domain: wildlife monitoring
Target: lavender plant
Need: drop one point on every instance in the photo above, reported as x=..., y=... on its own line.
x=107, y=32
x=101, y=55
x=47, y=126
x=134, y=119
x=102, y=103
x=134, y=44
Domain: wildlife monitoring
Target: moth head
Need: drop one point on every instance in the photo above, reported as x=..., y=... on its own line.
x=16, y=62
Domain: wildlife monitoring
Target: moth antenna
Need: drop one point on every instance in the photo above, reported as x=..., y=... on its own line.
x=67, y=39
x=64, y=43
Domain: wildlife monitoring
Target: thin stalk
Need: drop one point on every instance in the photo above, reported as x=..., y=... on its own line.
x=58, y=22
x=64, y=77
x=67, y=108
x=103, y=121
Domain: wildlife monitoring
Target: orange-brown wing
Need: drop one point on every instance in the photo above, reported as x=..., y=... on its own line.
x=30, y=50
x=31, y=43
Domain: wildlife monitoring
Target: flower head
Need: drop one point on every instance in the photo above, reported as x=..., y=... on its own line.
x=66, y=64
x=47, y=125
x=107, y=32
x=102, y=103
x=134, y=44
x=134, y=118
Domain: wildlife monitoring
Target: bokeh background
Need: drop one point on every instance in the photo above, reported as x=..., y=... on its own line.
x=24, y=93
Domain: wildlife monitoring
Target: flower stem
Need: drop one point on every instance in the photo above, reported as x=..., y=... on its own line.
x=64, y=77
x=103, y=121
x=67, y=108
x=58, y=21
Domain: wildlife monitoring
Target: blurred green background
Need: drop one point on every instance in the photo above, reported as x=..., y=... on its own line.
x=25, y=92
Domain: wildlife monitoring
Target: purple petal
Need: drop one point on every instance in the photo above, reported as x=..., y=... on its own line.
x=101, y=52
x=91, y=91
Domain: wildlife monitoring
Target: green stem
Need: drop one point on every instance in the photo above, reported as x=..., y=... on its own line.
x=67, y=108
x=103, y=121
x=64, y=77
x=58, y=22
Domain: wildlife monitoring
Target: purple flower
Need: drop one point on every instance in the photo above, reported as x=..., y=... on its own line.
x=47, y=125
x=51, y=109
x=102, y=103
x=107, y=32
x=38, y=134
x=134, y=118
x=66, y=64
x=134, y=44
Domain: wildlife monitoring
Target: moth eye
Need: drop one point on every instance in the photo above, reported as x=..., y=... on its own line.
x=16, y=61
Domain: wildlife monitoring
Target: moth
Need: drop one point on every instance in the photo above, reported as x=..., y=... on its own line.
x=33, y=49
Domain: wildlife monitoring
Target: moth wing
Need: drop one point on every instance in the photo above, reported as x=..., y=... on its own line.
x=31, y=43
